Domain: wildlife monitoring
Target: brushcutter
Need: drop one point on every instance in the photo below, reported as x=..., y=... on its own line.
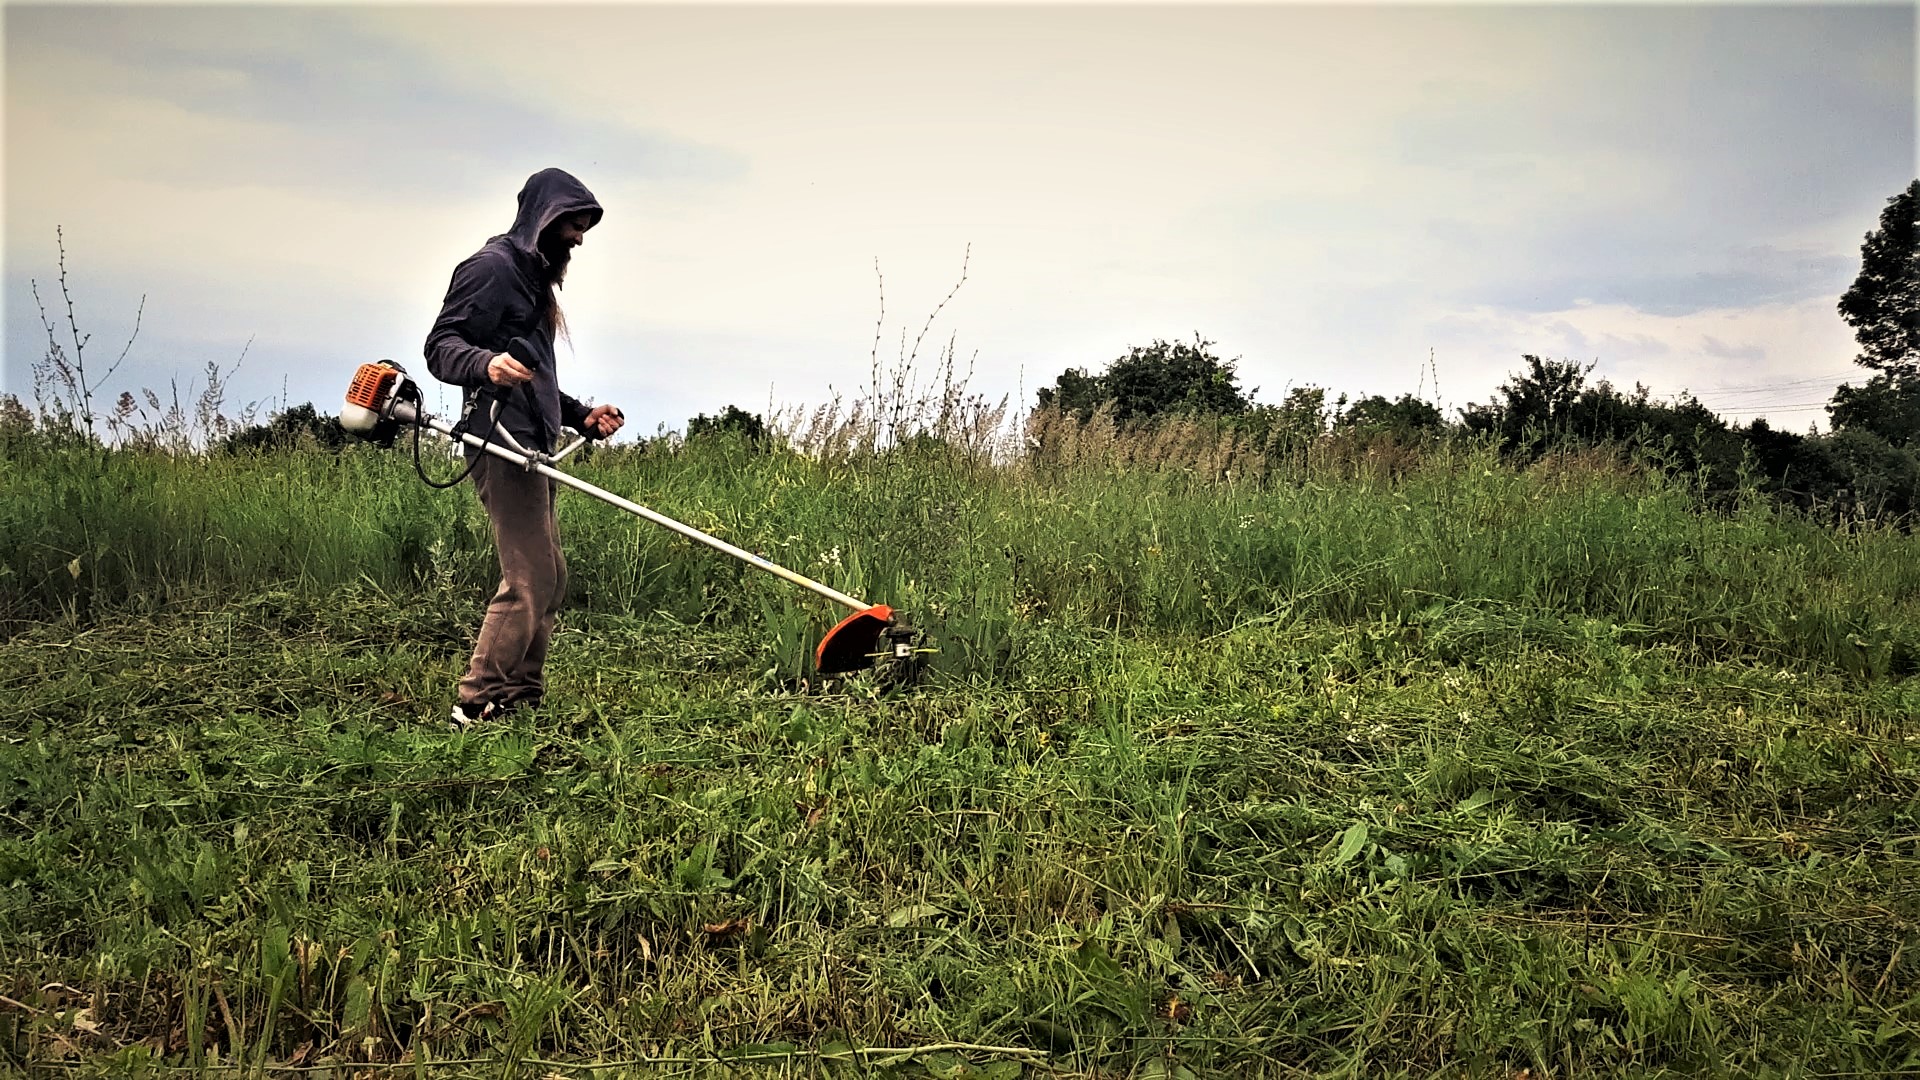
x=382, y=400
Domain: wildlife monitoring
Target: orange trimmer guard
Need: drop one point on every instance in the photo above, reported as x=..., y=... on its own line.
x=849, y=646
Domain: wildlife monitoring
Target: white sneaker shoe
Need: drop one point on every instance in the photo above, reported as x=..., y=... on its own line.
x=467, y=715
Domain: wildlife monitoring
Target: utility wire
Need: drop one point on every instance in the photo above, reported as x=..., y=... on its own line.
x=1735, y=395
x=1743, y=388
x=1771, y=404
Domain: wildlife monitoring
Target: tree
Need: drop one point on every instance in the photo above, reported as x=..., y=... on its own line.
x=1883, y=306
x=1405, y=417
x=1550, y=403
x=750, y=427
x=1773, y=452
x=297, y=428
x=1292, y=425
x=1887, y=406
x=1534, y=405
x=1159, y=378
x=1858, y=473
x=1076, y=392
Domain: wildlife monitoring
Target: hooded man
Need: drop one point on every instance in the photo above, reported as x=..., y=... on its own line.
x=494, y=340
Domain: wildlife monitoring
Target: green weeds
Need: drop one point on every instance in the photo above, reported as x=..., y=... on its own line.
x=1453, y=771
x=988, y=558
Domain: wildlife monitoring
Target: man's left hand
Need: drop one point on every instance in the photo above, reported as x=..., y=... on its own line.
x=603, y=420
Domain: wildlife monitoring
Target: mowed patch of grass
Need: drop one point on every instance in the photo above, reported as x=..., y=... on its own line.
x=1461, y=836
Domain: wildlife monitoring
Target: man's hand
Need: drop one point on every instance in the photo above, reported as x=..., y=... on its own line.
x=603, y=421
x=504, y=370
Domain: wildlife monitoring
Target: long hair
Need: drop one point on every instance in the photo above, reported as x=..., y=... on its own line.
x=556, y=319
x=557, y=258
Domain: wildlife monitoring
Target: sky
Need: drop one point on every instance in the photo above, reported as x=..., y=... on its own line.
x=1370, y=198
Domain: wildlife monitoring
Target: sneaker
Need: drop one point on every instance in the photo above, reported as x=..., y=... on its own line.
x=530, y=703
x=468, y=714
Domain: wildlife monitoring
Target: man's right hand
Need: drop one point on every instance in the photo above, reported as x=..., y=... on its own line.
x=504, y=370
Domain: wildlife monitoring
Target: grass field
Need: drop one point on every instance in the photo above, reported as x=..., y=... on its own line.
x=1436, y=768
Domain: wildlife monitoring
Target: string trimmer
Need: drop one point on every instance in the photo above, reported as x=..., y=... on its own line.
x=382, y=399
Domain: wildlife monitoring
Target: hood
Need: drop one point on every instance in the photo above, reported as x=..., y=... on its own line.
x=548, y=194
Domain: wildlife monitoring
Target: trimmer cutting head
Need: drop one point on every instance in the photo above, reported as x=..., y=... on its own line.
x=851, y=644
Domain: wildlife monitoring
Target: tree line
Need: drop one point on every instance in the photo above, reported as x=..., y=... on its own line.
x=1866, y=464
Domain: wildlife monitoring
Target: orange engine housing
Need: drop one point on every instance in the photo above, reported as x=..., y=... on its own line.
x=371, y=386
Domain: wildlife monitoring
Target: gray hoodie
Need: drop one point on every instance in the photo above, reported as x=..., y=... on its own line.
x=499, y=294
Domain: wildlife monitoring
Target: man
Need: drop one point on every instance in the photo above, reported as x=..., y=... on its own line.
x=494, y=339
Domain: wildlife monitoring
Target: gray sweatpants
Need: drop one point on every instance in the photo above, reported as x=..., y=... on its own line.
x=509, y=660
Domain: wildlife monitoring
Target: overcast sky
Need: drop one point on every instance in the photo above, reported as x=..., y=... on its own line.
x=1330, y=193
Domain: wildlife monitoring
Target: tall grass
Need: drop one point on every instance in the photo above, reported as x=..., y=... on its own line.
x=988, y=555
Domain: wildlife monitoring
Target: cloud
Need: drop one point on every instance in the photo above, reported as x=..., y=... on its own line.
x=1664, y=282
x=269, y=171
x=1748, y=352
x=1325, y=191
x=1680, y=160
x=302, y=100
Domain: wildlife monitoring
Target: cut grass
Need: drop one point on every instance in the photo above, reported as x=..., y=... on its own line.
x=1471, y=841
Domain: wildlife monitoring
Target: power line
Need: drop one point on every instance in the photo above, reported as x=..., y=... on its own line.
x=1758, y=391
x=1739, y=395
x=1745, y=388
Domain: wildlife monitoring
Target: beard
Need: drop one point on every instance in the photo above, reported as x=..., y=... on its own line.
x=558, y=256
